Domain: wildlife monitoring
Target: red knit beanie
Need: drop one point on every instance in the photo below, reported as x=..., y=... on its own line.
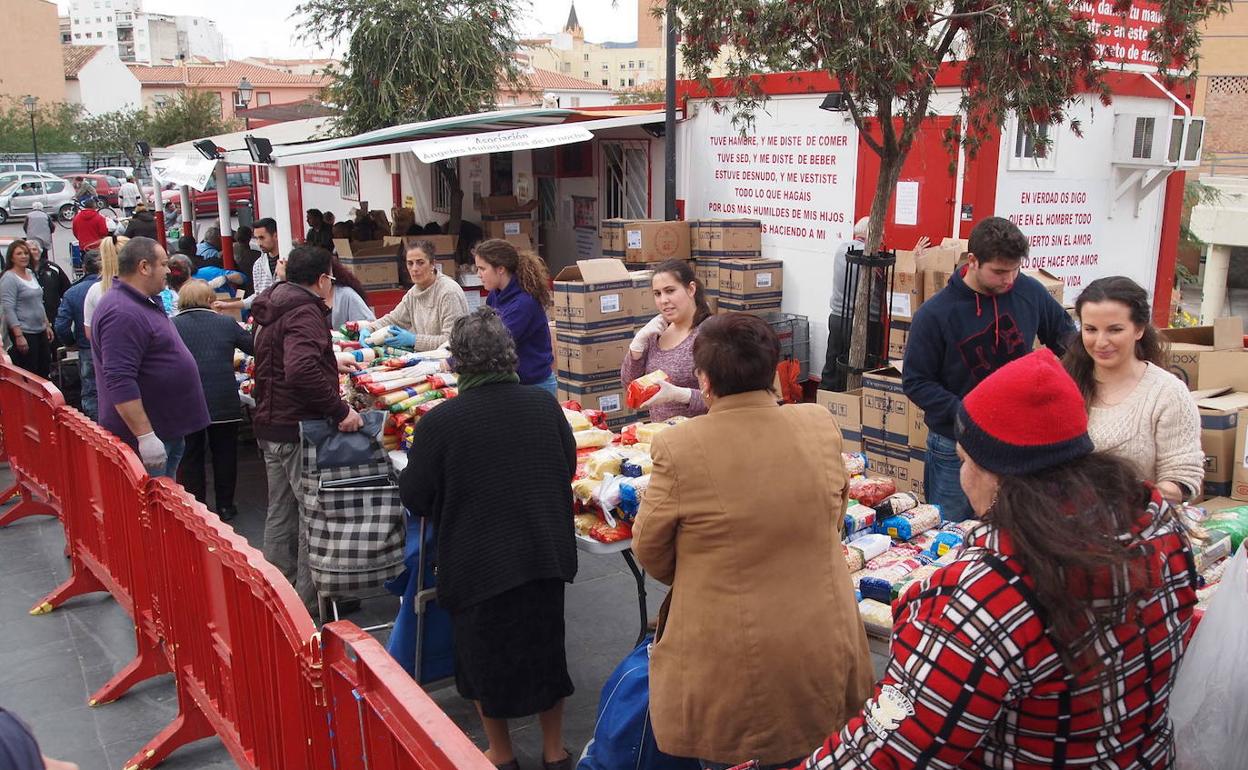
x=1025, y=417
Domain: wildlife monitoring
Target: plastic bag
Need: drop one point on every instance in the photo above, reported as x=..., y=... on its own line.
x=855, y=463
x=877, y=617
x=869, y=491
x=859, y=518
x=644, y=388
x=895, y=505
x=1232, y=521
x=1209, y=704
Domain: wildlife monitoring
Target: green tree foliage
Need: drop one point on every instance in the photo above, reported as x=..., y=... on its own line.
x=415, y=60
x=189, y=115
x=650, y=93
x=1026, y=57
x=55, y=126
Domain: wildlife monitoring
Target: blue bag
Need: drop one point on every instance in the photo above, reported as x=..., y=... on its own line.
x=438, y=649
x=623, y=739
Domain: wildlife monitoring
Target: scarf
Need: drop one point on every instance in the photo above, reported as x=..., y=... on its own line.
x=467, y=381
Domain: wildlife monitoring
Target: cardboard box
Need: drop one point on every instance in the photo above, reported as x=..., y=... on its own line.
x=373, y=262
x=885, y=408
x=522, y=242
x=504, y=206
x=1051, y=283
x=593, y=356
x=606, y=396
x=1188, y=348
x=889, y=460
x=754, y=306
x=655, y=241
x=726, y=238
x=1239, y=460
x=918, y=470
x=918, y=431
x=898, y=333
x=1219, y=428
x=907, y=285
x=594, y=295
x=707, y=271
x=507, y=228
x=961, y=245
x=612, y=231
x=443, y=245
x=846, y=408
x=351, y=249
x=751, y=279
x=643, y=297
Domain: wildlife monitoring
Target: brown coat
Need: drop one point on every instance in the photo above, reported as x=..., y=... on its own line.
x=760, y=653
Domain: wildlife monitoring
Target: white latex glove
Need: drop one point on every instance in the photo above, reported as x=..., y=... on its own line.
x=669, y=394
x=152, y=452
x=641, y=340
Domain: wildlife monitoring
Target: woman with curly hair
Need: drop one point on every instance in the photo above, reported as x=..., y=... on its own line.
x=492, y=469
x=519, y=287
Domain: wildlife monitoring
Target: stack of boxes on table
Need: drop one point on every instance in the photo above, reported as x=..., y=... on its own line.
x=600, y=303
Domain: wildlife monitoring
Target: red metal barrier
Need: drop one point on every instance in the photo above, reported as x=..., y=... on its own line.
x=380, y=717
x=29, y=428
x=104, y=518
x=244, y=652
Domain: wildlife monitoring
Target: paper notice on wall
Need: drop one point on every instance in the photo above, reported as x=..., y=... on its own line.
x=586, y=241
x=900, y=304
x=907, y=209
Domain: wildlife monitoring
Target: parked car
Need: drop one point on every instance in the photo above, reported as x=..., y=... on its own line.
x=56, y=195
x=105, y=186
x=7, y=167
x=118, y=172
x=239, y=180
x=9, y=177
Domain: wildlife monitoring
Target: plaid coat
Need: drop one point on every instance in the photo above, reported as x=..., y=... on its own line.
x=974, y=680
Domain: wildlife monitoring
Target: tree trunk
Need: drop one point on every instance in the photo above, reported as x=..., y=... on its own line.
x=890, y=171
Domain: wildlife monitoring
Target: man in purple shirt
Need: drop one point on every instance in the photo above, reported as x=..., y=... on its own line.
x=148, y=385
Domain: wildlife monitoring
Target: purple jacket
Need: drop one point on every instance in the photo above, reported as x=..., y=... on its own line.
x=529, y=327
x=138, y=353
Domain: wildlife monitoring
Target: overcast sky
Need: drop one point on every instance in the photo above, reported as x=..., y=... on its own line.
x=261, y=27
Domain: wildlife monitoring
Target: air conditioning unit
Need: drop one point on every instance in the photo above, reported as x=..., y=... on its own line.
x=1153, y=141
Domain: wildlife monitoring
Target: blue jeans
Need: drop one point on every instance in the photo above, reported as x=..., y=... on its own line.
x=173, y=457
x=86, y=376
x=941, y=478
x=550, y=385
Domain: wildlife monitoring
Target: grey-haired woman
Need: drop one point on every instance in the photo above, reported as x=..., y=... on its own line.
x=492, y=469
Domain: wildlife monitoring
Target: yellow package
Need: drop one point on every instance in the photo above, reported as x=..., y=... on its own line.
x=577, y=420
x=588, y=439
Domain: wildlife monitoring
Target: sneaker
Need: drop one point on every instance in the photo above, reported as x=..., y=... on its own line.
x=227, y=513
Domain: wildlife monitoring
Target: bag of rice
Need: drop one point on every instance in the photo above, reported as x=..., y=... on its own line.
x=855, y=463
x=895, y=505
x=859, y=518
x=893, y=555
x=871, y=490
x=918, y=576
x=877, y=617
x=853, y=558
x=943, y=543
x=870, y=544
x=878, y=584
x=906, y=525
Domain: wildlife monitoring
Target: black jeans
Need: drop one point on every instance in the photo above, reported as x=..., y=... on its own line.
x=38, y=358
x=221, y=438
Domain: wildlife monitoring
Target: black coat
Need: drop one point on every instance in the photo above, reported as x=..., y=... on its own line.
x=143, y=223
x=493, y=470
x=212, y=339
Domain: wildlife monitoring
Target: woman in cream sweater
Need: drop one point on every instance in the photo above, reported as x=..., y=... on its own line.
x=424, y=317
x=1137, y=410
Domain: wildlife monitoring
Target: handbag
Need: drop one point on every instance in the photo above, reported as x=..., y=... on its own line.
x=354, y=516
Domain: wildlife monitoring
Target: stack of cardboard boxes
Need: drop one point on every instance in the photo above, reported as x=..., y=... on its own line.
x=1214, y=364
x=597, y=307
x=728, y=260
x=645, y=242
x=444, y=250
x=504, y=216
x=894, y=435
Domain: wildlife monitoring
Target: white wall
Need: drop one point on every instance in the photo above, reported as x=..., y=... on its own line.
x=806, y=209
x=1073, y=202
x=103, y=85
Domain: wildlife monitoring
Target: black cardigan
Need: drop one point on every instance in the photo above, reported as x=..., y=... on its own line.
x=212, y=338
x=493, y=468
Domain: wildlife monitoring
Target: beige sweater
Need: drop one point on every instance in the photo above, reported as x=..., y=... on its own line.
x=1156, y=429
x=428, y=313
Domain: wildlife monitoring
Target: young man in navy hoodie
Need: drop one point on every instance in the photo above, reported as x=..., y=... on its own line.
x=988, y=315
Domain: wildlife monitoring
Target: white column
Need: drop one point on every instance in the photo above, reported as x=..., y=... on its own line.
x=281, y=206
x=1217, y=263
x=223, y=201
x=188, y=212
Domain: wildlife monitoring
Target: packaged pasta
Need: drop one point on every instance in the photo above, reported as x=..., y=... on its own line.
x=584, y=522
x=576, y=420
x=870, y=490
x=644, y=388
x=896, y=504
x=855, y=463
x=859, y=518
x=871, y=545
x=878, y=584
x=853, y=558
x=910, y=523
x=877, y=617
x=586, y=439
x=605, y=533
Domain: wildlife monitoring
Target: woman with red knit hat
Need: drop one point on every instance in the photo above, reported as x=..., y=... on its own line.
x=1054, y=639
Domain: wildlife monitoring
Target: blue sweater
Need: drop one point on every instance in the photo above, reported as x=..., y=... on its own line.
x=959, y=337
x=68, y=324
x=529, y=327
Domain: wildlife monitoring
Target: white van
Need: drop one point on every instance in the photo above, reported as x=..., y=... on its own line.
x=6, y=167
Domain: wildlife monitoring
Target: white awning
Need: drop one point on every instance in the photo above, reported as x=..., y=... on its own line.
x=433, y=150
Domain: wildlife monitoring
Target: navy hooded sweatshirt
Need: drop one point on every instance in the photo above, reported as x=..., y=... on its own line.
x=959, y=337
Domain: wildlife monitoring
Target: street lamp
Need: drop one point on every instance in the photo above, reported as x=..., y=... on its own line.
x=30, y=102
x=244, y=97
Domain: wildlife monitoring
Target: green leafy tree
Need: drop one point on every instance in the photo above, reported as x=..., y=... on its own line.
x=55, y=126
x=650, y=93
x=115, y=133
x=415, y=60
x=1031, y=58
x=189, y=115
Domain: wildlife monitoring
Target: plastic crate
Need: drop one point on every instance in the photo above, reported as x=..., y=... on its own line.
x=794, y=333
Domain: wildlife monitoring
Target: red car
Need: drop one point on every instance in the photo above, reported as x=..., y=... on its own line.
x=239, y=180
x=105, y=186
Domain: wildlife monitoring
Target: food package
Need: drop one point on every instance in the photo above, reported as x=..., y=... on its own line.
x=855, y=463
x=896, y=504
x=576, y=420
x=606, y=461
x=870, y=490
x=584, y=522
x=859, y=518
x=944, y=542
x=853, y=558
x=597, y=418
x=871, y=545
x=636, y=467
x=1215, y=547
x=877, y=617
x=363, y=355
x=583, y=489
x=893, y=555
x=644, y=388
x=878, y=583
x=605, y=533
x=924, y=540
x=608, y=494
x=631, y=491
x=417, y=400
x=1212, y=574
x=968, y=527
x=587, y=439
x=912, y=522
x=1232, y=521
x=628, y=436
x=918, y=576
